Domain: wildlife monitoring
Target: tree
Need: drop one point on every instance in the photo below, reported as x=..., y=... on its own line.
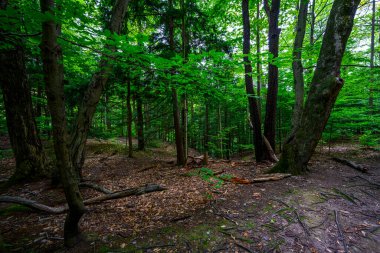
x=324, y=90
x=252, y=101
x=297, y=62
x=53, y=75
x=94, y=91
x=21, y=124
x=273, y=40
x=176, y=112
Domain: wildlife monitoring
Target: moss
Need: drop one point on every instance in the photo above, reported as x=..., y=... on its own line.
x=13, y=208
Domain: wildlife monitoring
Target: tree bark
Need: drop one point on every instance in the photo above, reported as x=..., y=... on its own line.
x=252, y=101
x=274, y=38
x=206, y=134
x=22, y=129
x=258, y=58
x=324, y=90
x=94, y=91
x=53, y=76
x=297, y=63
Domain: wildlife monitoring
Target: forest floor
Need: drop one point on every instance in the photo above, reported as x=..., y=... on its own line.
x=326, y=210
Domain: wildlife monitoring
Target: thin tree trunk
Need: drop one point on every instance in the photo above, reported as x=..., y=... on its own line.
x=252, y=101
x=129, y=119
x=22, y=129
x=53, y=75
x=324, y=90
x=93, y=93
x=185, y=49
x=107, y=112
x=297, y=63
x=176, y=113
x=206, y=134
x=140, y=122
x=312, y=25
x=372, y=61
x=273, y=41
x=258, y=55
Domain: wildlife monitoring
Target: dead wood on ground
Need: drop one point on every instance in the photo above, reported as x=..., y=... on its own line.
x=62, y=209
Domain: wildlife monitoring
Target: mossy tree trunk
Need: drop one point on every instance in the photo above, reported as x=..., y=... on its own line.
x=53, y=76
x=324, y=90
x=22, y=129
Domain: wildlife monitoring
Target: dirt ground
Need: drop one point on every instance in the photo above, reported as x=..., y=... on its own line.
x=333, y=208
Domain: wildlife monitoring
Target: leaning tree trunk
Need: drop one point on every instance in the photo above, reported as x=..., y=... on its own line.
x=53, y=76
x=297, y=63
x=93, y=93
x=273, y=41
x=253, y=106
x=324, y=90
x=26, y=144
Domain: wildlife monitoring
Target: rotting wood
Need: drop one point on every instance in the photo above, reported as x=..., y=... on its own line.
x=351, y=164
x=62, y=209
x=341, y=235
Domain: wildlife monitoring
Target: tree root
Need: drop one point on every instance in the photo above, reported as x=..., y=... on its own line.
x=350, y=164
x=62, y=209
x=341, y=235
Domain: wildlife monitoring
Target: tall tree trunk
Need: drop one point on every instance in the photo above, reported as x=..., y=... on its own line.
x=93, y=93
x=297, y=63
x=176, y=115
x=312, y=22
x=206, y=134
x=22, y=129
x=252, y=101
x=372, y=61
x=129, y=119
x=324, y=90
x=140, y=122
x=185, y=50
x=258, y=57
x=271, y=105
x=53, y=76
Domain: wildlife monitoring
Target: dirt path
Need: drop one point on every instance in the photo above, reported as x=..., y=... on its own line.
x=199, y=214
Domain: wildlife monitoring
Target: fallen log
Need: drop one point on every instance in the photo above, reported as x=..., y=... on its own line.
x=62, y=209
x=260, y=179
x=351, y=164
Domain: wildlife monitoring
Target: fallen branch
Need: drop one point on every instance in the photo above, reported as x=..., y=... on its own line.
x=369, y=181
x=96, y=187
x=341, y=235
x=351, y=164
x=125, y=193
x=62, y=209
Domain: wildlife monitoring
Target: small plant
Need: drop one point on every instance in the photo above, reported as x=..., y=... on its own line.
x=370, y=139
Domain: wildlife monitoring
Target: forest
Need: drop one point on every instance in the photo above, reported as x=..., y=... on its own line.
x=189, y=126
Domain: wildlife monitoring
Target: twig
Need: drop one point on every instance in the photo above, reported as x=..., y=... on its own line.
x=369, y=181
x=341, y=235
